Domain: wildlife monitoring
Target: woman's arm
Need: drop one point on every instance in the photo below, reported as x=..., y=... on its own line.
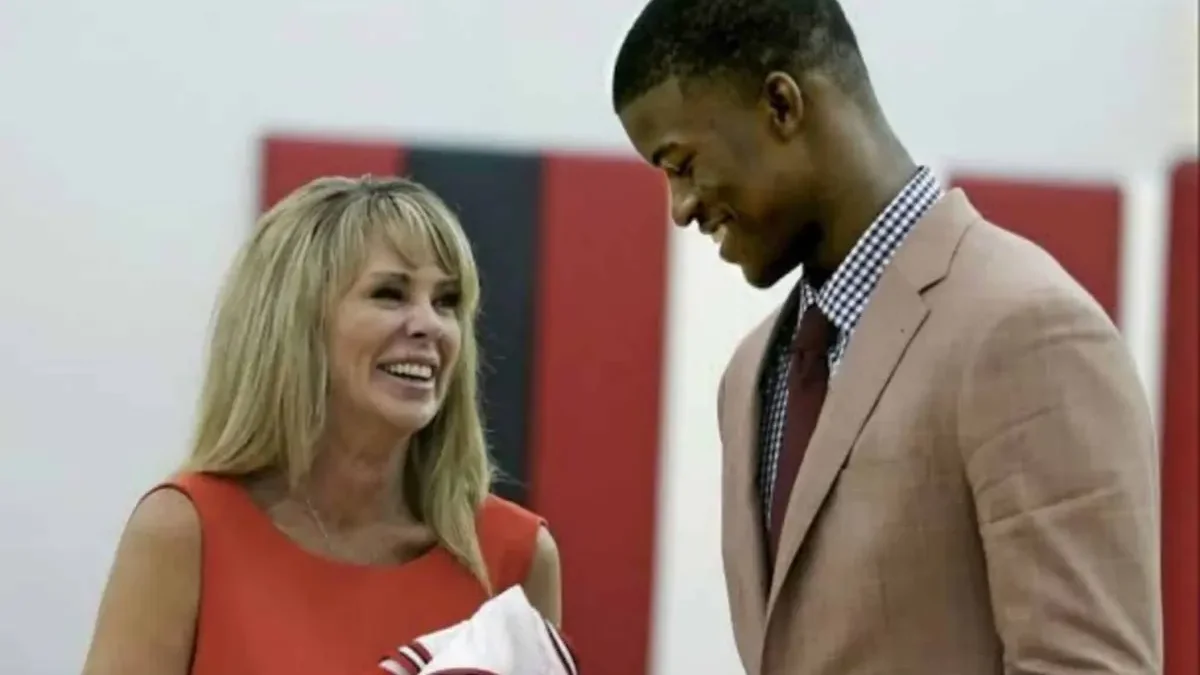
x=543, y=584
x=147, y=619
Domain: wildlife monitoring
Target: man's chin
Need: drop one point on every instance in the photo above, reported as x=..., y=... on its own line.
x=765, y=276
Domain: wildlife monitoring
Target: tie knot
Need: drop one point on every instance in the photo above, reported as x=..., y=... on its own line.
x=816, y=332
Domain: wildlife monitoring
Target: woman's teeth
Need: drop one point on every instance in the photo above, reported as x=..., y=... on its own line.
x=416, y=371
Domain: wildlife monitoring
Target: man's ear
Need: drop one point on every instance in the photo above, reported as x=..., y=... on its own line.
x=783, y=104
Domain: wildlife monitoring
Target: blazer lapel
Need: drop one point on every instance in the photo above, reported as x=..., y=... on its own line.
x=893, y=316
x=746, y=538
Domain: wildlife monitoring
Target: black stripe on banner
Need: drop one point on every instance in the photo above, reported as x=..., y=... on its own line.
x=498, y=197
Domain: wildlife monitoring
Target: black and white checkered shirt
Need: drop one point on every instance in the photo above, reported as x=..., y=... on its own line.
x=842, y=300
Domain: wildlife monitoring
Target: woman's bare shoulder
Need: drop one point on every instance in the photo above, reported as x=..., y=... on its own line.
x=149, y=607
x=165, y=517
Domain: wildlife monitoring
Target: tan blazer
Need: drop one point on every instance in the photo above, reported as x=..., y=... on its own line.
x=981, y=491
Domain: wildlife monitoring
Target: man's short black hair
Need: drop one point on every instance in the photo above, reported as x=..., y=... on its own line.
x=738, y=38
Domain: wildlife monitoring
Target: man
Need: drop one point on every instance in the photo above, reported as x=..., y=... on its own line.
x=938, y=458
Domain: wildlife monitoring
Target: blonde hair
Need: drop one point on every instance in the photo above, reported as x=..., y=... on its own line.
x=264, y=401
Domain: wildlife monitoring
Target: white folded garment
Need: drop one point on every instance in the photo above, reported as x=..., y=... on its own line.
x=506, y=636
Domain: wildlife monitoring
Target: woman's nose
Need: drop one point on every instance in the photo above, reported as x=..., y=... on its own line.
x=423, y=320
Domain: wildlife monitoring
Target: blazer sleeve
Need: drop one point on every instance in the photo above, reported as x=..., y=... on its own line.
x=1061, y=456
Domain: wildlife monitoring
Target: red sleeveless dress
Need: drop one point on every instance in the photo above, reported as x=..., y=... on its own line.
x=269, y=607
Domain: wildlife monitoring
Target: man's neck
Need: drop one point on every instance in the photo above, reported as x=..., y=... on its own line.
x=854, y=210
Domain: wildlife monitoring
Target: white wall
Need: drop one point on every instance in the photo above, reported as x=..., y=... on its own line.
x=128, y=177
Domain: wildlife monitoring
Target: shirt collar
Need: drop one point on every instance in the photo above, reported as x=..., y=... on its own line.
x=844, y=296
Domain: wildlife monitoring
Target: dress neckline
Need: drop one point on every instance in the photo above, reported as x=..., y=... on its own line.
x=255, y=514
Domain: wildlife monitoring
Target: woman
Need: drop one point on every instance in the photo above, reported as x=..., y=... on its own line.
x=335, y=504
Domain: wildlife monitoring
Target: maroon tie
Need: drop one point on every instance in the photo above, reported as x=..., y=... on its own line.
x=808, y=379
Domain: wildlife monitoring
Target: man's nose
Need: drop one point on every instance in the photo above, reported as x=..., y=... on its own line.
x=683, y=207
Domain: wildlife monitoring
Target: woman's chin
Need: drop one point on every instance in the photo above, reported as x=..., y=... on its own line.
x=408, y=417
